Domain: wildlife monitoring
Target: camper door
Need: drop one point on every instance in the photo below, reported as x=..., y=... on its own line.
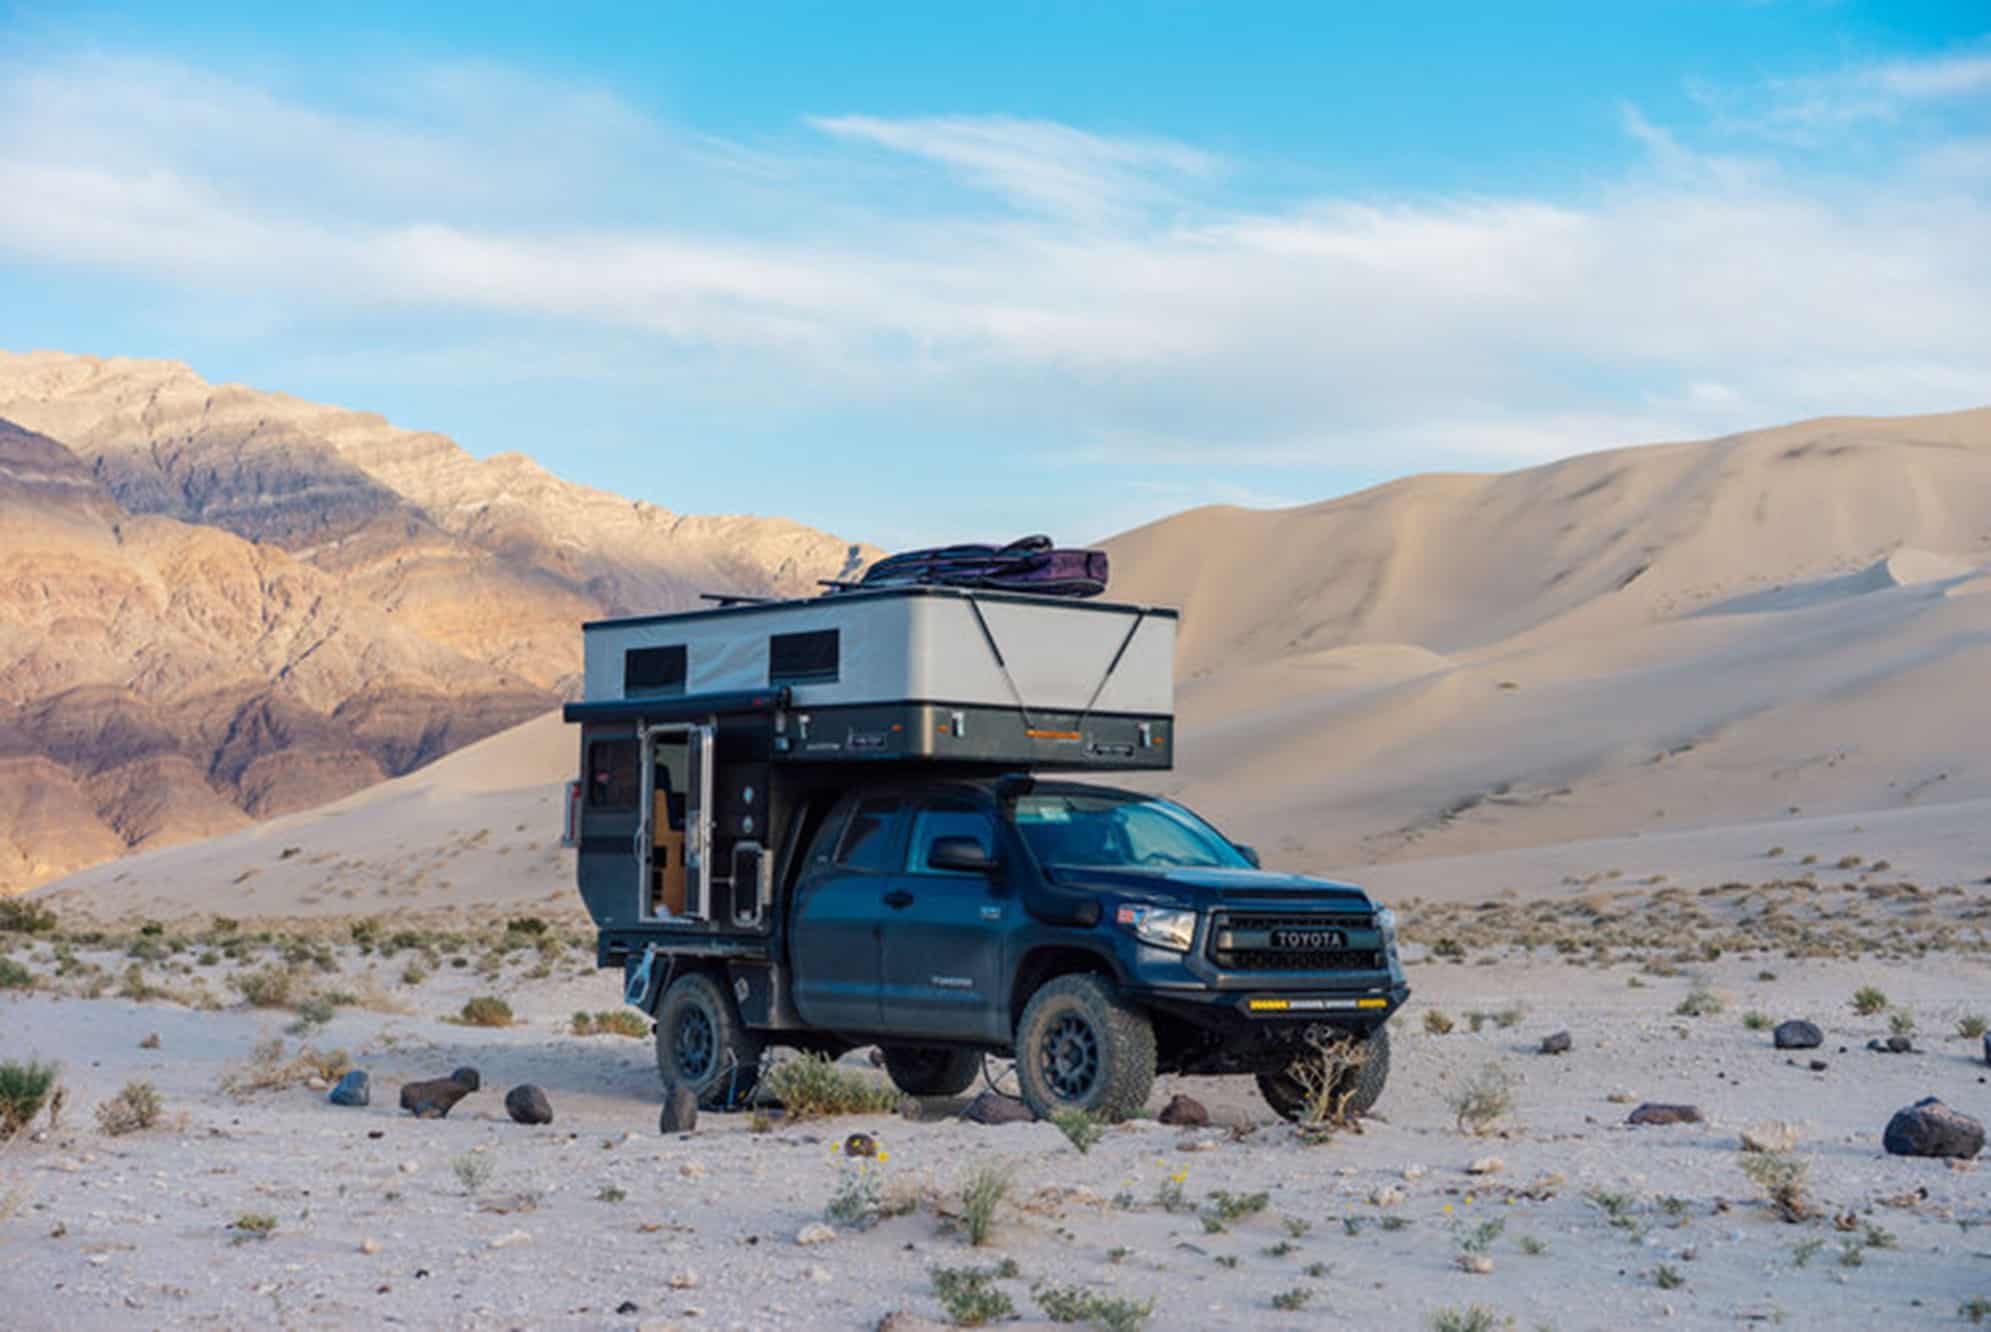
x=674, y=835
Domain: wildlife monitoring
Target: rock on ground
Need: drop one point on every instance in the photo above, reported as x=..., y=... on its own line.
x=1556, y=1044
x=680, y=1112
x=354, y=1089
x=433, y=1099
x=992, y=1107
x=1184, y=1112
x=527, y=1104
x=1655, y=1112
x=1930, y=1128
x=1797, y=1034
x=469, y=1077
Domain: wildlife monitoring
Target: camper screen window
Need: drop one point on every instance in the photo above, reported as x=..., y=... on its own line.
x=613, y=779
x=799, y=658
x=657, y=670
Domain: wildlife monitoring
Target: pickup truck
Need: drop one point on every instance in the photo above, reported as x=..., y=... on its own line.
x=1097, y=936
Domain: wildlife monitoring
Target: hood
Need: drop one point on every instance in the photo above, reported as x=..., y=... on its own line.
x=1209, y=887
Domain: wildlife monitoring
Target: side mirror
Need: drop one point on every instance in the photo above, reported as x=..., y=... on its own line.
x=959, y=855
x=1250, y=853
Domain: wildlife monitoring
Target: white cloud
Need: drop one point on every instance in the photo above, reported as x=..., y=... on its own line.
x=1114, y=291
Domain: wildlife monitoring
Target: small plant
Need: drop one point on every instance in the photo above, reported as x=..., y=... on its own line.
x=1294, y=1300
x=485, y=1011
x=1075, y=1304
x=273, y=986
x=1977, y=1308
x=14, y=976
x=1901, y=1022
x=611, y=1194
x=1482, y=1099
x=1700, y=1002
x=20, y=916
x=1972, y=1026
x=1474, y=1318
x=312, y=1013
x=1877, y=1237
x=1168, y=1193
x=1756, y=1020
x=616, y=1022
x=1351, y=1226
x=856, y=1200
x=814, y=1086
x=1438, y=1022
x=1852, y=1254
x=1282, y=1249
x=1296, y=1226
x=1226, y=1260
x=1318, y=1271
x=1805, y=1250
x=970, y=1296
x=414, y=974
x=1869, y=1000
x=1081, y=1128
x=1393, y=1223
x=135, y=1107
x=1668, y=1277
x=1782, y=1179
x=473, y=1170
x=24, y=1090
x=1481, y=1237
x=250, y=1226
x=1533, y=1246
x=987, y=1186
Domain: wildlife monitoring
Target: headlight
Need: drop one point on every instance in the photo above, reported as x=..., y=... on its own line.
x=1164, y=927
x=1386, y=926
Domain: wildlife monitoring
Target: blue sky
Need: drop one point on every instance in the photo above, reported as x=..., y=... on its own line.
x=939, y=272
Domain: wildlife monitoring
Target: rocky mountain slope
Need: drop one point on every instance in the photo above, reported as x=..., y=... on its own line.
x=218, y=604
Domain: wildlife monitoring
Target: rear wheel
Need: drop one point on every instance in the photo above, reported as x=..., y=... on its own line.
x=1080, y=1046
x=931, y=1070
x=1355, y=1070
x=702, y=1045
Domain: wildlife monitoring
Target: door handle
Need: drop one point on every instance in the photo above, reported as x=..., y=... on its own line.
x=898, y=898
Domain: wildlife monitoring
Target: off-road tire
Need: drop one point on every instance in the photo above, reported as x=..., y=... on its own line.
x=702, y=1044
x=1363, y=1087
x=1080, y=1046
x=932, y=1070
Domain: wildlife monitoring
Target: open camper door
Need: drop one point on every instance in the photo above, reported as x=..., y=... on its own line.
x=674, y=834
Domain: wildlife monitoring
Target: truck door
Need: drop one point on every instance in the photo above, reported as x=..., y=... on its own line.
x=944, y=934
x=609, y=873
x=669, y=845
x=839, y=911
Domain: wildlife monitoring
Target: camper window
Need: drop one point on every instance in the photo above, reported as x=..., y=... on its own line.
x=868, y=838
x=953, y=819
x=803, y=658
x=613, y=779
x=654, y=670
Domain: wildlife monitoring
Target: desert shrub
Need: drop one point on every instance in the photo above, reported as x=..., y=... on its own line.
x=1869, y=1000
x=1437, y=1022
x=1782, y=1179
x=20, y=916
x=1755, y=1020
x=1076, y=1304
x=273, y=986
x=14, y=976
x=814, y=1086
x=1080, y=1127
x=485, y=1011
x=473, y=1170
x=1700, y=1002
x=987, y=1186
x=970, y=1296
x=1972, y=1026
x=414, y=974
x=1326, y=1076
x=1474, y=1318
x=1482, y=1099
x=251, y=1226
x=267, y=1068
x=1228, y=1206
x=313, y=1011
x=1901, y=1022
x=25, y=1088
x=612, y=1022
x=135, y=1107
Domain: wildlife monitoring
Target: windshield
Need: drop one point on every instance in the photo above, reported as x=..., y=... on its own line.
x=1101, y=828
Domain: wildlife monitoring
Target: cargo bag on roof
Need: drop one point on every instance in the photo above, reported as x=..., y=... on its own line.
x=1031, y=564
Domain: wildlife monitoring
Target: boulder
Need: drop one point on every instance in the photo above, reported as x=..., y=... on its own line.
x=527, y=1104
x=1184, y=1112
x=1558, y=1043
x=1797, y=1034
x=992, y=1107
x=354, y=1089
x=1655, y=1112
x=433, y=1099
x=469, y=1077
x=680, y=1112
x=860, y=1144
x=1930, y=1128
x=1892, y=1045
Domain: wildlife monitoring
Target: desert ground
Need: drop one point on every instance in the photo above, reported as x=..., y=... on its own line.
x=253, y=1201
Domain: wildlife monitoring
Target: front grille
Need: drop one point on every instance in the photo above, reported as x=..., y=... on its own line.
x=1242, y=941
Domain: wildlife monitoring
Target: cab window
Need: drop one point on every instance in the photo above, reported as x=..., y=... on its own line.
x=868, y=838
x=953, y=819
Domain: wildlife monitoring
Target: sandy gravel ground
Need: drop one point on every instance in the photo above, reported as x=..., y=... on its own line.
x=598, y=1221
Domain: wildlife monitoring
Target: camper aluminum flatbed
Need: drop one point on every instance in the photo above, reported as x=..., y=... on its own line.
x=858, y=820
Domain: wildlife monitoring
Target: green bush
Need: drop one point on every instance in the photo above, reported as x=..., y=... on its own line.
x=20, y=916
x=24, y=1089
x=136, y=1107
x=14, y=976
x=813, y=1086
x=486, y=1011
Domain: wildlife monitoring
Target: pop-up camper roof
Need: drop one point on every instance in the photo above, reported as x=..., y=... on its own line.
x=921, y=673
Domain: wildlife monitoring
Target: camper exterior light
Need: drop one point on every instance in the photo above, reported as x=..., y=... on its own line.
x=1161, y=926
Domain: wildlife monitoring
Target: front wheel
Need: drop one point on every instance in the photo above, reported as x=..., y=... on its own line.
x=1337, y=1081
x=931, y=1070
x=702, y=1044
x=1080, y=1046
